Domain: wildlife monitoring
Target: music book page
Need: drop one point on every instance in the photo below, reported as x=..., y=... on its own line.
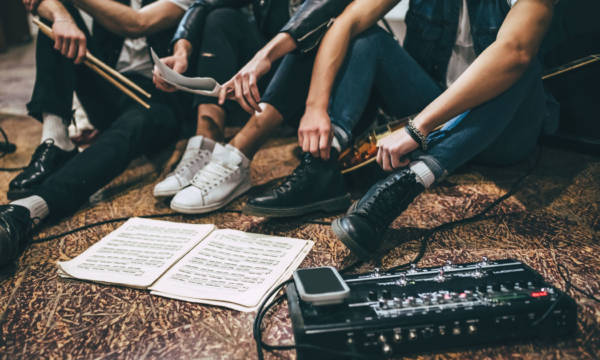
x=233, y=269
x=137, y=253
x=195, y=85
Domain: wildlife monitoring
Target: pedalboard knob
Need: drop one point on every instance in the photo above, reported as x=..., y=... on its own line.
x=472, y=329
x=402, y=280
x=412, y=334
x=386, y=294
x=456, y=331
x=386, y=349
x=397, y=337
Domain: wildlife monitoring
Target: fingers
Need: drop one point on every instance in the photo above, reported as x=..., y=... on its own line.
x=391, y=159
x=72, y=50
x=254, y=88
x=305, y=143
x=162, y=85
x=314, y=144
x=239, y=95
x=58, y=42
x=81, y=51
x=65, y=46
x=383, y=158
x=248, y=96
x=325, y=145
x=223, y=94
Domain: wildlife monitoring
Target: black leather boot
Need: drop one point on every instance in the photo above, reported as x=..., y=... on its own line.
x=46, y=159
x=315, y=185
x=15, y=232
x=363, y=226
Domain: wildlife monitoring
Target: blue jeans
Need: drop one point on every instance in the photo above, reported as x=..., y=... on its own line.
x=501, y=131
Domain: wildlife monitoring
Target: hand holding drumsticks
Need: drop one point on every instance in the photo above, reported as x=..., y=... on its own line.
x=74, y=47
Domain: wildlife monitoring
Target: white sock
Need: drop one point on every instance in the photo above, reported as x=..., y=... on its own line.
x=38, y=208
x=423, y=173
x=336, y=144
x=55, y=128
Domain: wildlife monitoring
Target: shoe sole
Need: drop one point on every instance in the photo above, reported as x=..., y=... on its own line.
x=206, y=209
x=18, y=194
x=347, y=240
x=340, y=203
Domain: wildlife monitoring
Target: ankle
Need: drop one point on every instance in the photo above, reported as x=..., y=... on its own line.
x=55, y=128
x=37, y=206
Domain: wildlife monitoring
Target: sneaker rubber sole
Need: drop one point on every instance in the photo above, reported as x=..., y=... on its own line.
x=212, y=207
x=340, y=203
x=349, y=242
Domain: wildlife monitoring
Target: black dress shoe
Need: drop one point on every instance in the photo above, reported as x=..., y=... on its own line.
x=315, y=185
x=15, y=232
x=363, y=226
x=46, y=159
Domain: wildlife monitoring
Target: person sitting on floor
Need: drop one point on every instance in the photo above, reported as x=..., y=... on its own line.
x=58, y=179
x=219, y=36
x=204, y=182
x=470, y=66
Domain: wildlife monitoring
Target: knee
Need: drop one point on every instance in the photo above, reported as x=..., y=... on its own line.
x=368, y=41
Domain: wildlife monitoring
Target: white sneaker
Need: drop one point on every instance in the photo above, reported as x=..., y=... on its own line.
x=223, y=179
x=196, y=155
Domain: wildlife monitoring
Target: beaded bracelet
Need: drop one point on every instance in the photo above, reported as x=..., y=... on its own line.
x=416, y=134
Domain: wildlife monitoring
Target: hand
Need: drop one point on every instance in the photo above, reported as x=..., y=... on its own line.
x=392, y=150
x=243, y=86
x=31, y=5
x=315, y=133
x=69, y=40
x=178, y=63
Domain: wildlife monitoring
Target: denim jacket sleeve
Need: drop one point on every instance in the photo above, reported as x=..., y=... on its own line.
x=311, y=21
x=191, y=25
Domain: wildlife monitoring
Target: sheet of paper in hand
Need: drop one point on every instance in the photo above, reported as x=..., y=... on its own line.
x=196, y=85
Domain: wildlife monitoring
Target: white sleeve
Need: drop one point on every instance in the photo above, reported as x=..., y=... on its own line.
x=184, y=4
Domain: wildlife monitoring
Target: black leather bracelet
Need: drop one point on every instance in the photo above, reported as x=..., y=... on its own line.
x=416, y=134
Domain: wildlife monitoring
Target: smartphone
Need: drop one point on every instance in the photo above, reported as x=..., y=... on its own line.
x=321, y=286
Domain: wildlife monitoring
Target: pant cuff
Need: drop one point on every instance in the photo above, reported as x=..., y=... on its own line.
x=432, y=163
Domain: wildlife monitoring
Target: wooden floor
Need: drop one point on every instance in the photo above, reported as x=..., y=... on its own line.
x=554, y=218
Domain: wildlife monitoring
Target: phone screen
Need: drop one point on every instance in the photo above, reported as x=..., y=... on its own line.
x=319, y=281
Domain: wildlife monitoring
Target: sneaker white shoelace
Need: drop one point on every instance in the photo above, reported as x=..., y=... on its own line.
x=212, y=175
x=190, y=162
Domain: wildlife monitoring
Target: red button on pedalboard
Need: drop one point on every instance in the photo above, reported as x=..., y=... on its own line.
x=537, y=294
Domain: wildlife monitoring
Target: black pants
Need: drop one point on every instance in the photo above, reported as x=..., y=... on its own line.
x=127, y=129
x=229, y=41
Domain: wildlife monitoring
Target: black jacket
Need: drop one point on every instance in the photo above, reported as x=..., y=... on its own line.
x=307, y=26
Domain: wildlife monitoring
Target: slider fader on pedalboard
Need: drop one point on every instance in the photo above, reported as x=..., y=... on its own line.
x=426, y=309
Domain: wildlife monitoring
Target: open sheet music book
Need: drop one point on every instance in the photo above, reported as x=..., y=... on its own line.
x=190, y=262
x=196, y=85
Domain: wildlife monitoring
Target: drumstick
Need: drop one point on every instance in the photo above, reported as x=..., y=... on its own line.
x=115, y=83
x=48, y=32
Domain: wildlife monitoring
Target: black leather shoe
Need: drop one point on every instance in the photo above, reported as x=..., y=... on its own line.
x=46, y=159
x=363, y=226
x=315, y=185
x=15, y=232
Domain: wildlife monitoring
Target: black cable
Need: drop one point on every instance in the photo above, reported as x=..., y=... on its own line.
x=6, y=147
x=264, y=308
x=125, y=218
